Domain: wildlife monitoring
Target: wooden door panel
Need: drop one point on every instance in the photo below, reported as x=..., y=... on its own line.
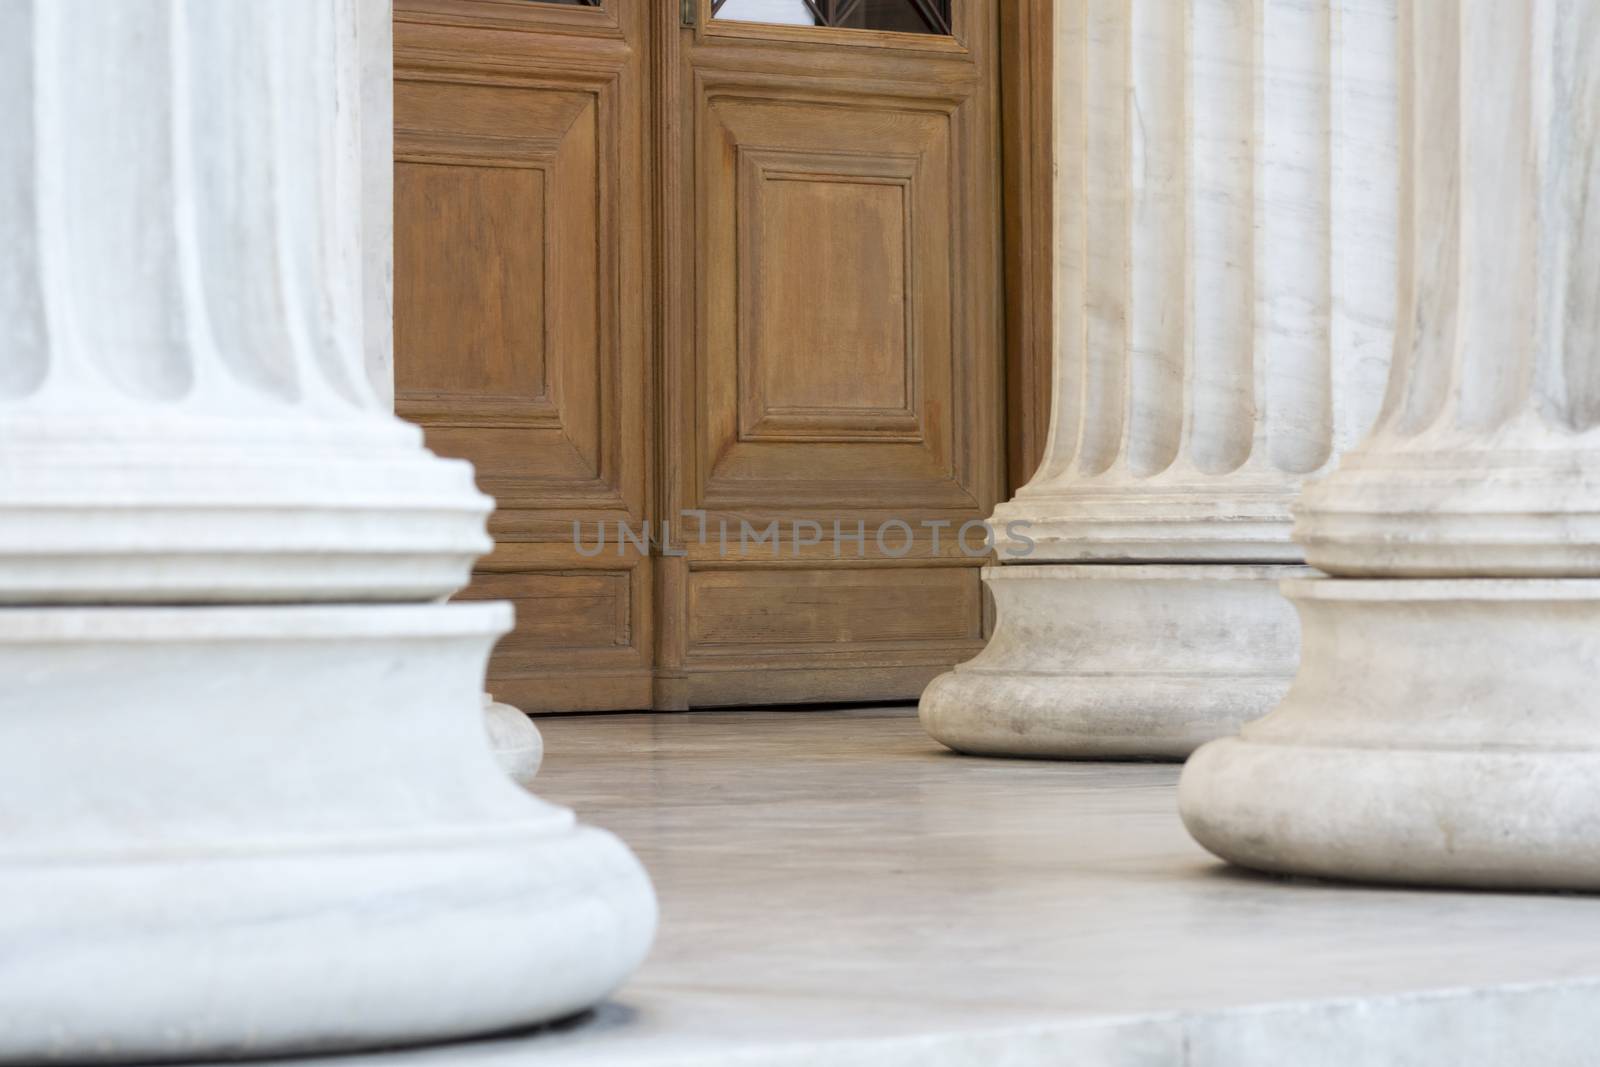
x=499, y=288
x=796, y=320
x=832, y=351
x=829, y=279
x=831, y=633
x=465, y=296
x=765, y=610
x=570, y=610
x=522, y=311
x=763, y=286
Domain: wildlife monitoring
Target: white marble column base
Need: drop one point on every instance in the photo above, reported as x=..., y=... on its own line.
x=1439, y=732
x=518, y=746
x=286, y=832
x=1441, y=513
x=1119, y=661
x=170, y=509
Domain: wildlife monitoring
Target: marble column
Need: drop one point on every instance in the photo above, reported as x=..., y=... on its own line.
x=247, y=801
x=1225, y=241
x=1442, y=728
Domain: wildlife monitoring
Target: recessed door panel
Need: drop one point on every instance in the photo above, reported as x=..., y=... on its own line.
x=832, y=347
x=828, y=273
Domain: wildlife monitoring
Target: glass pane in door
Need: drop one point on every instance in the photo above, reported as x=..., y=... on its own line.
x=777, y=12
x=900, y=16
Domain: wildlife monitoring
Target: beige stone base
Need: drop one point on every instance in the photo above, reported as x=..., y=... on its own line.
x=1119, y=661
x=1439, y=733
x=284, y=832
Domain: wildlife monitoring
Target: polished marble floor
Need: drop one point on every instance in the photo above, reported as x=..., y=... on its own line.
x=838, y=890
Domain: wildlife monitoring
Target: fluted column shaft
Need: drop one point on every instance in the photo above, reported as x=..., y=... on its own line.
x=182, y=364
x=1486, y=458
x=1441, y=729
x=1225, y=208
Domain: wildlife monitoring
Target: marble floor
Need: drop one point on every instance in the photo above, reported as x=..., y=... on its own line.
x=838, y=890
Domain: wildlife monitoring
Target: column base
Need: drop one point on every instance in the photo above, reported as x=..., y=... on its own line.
x=285, y=833
x=1119, y=661
x=1440, y=732
x=171, y=508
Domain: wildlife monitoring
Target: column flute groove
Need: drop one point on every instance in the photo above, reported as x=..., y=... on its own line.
x=184, y=285
x=1493, y=369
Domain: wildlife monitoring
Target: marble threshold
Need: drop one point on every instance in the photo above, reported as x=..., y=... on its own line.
x=836, y=889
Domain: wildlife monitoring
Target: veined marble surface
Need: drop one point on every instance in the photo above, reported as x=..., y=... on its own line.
x=1225, y=227
x=836, y=889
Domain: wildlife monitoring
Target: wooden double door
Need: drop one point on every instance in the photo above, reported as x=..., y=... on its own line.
x=727, y=270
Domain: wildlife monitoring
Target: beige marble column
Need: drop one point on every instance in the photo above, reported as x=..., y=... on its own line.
x=1442, y=728
x=247, y=800
x=1225, y=240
